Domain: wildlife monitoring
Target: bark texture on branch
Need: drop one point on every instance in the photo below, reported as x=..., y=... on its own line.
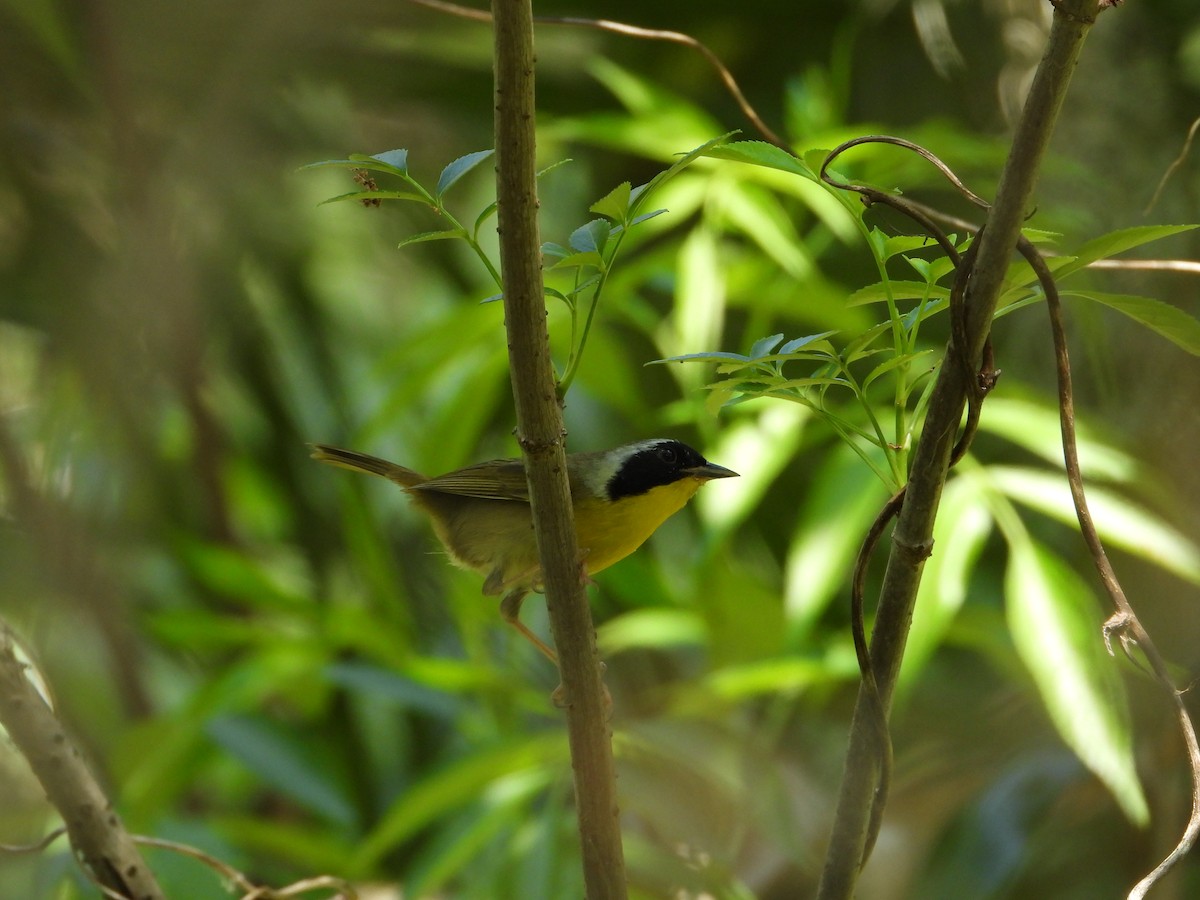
x=541, y=435
x=913, y=534
x=96, y=833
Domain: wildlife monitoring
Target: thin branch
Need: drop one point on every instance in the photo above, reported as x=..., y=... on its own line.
x=251, y=891
x=913, y=534
x=541, y=435
x=949, y=174
x=37, y=846
x=981, y=383
x=858, y=629
x=103, y=847
x=633, y=31
x=1189, y=266
x=1173, y=167
x=1124, y=622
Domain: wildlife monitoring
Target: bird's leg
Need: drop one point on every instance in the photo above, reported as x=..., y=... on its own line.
x=510, y=609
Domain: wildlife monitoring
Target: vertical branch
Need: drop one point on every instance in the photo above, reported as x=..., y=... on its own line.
x=541, y=435
x=912, y=540
x=97, y=835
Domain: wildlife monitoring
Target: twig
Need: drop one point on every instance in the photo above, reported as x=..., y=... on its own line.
x=251, y=891
x=858, y=629
x=912, y=536
x=633, y=31
x=103, y=847
x=1173, y=167
x=1149, y=265
x=541, y=434
x=980, y=382
x=37, y=846
x=1124, y=622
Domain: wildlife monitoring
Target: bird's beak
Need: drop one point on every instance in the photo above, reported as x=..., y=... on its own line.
x=709, y=471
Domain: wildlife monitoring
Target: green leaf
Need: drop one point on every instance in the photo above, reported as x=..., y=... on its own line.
x=800, y=385
x=758, y=214
x=764, y=446
x=776, y=677
x=615, y=204
x=1041, y=236
x=763, y=346
x=1118, y=521
x=889, y=365
x=942, y=266
x=53, y=31
x=1169, y=321
x=710, y=356
x=815, y=159
x=1019, y=275
x=364, y=678
x=760, y=153
x=230, y=572
x=962, y=527
x=1118, y=242
x=896, y=244
x=858, y=347
x=877, y=240
x=591, y=237
x=637, y=220
x=585, y=285
x=1056, y=629
x=861, y=353
x=488, y=212
x=901, y=290
x=835, y=512
x=394, y=160
x=341, y=164
x=456, y=170
x=378, y=195
x=796, y=343
x=303, y=844
x=285, y=762
x=425, y=236
x=1035, y=427
x=463, y=838
x=579, y=261
x=640, y=193
x=451, y=788
x=922, y=267
x=552, y=167
x=658, y=628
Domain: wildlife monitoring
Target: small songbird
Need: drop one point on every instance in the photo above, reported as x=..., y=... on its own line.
x=481, y=514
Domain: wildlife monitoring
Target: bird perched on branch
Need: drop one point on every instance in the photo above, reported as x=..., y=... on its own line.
x=481, y=514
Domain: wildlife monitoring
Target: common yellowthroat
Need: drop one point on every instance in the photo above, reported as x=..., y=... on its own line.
x=481, y=514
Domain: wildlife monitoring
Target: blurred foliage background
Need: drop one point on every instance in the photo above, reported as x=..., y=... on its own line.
x=266, y=659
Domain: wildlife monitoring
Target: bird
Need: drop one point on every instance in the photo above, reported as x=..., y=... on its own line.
x=481, y=514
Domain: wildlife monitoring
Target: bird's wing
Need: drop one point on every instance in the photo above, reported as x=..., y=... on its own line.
x=500, y=479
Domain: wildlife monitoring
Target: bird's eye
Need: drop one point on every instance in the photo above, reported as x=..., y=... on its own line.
x=667, y=455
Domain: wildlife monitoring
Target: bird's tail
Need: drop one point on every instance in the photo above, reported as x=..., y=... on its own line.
x=362, y=462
